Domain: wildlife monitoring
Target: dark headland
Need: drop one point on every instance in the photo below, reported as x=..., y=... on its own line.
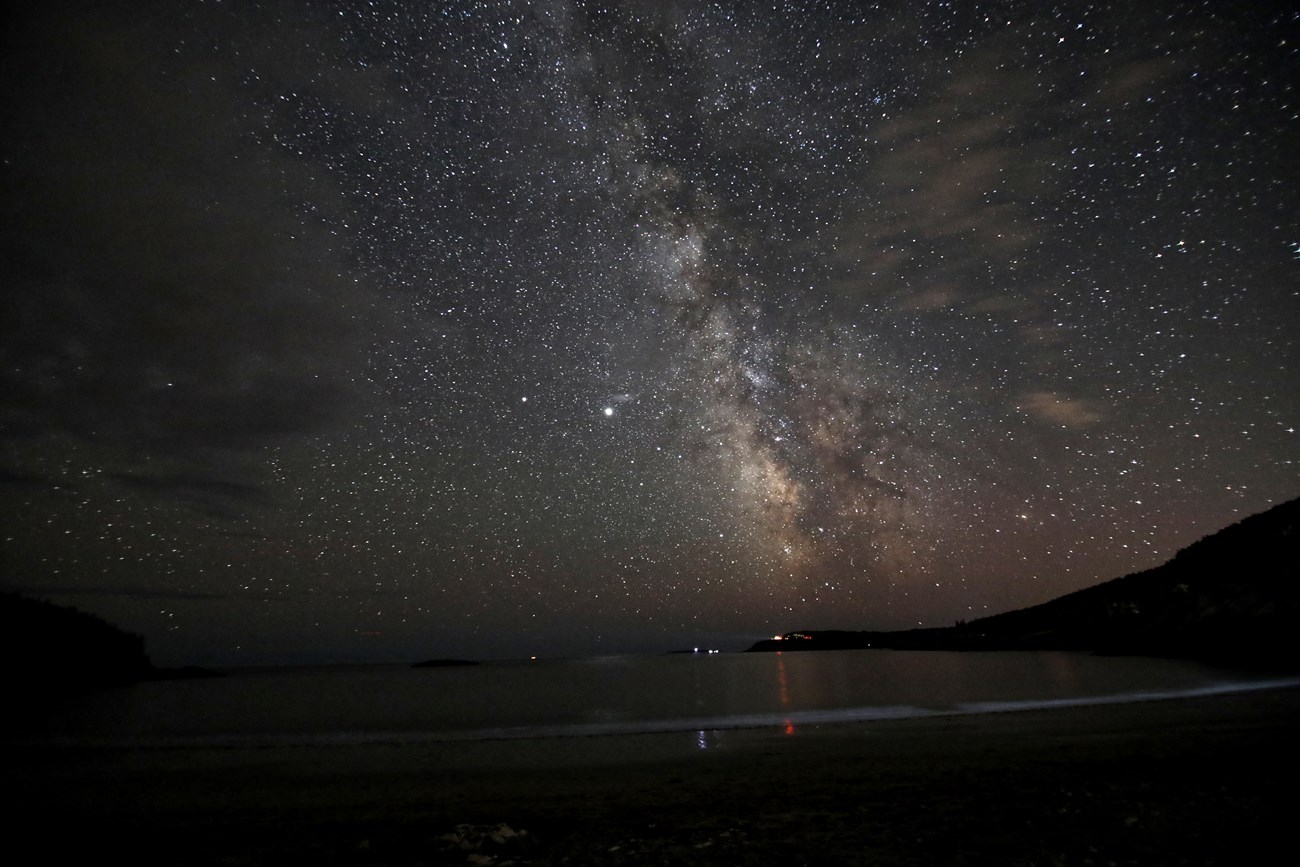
x=50, y=648
x=1231, y=597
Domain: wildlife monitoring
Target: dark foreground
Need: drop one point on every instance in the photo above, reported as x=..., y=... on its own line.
x=1197, y=781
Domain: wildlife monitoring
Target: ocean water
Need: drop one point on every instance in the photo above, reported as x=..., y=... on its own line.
x=607, y=695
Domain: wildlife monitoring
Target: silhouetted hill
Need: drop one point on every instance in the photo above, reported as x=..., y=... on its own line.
x=49, y=647
x=1233, y=597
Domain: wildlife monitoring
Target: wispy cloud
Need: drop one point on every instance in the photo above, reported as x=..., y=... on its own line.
x=170, y=287
x=1059, y=409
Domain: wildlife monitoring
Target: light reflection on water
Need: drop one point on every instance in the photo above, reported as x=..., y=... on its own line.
x=612, y=695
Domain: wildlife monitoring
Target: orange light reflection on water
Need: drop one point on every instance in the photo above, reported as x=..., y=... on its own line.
x=784, y=690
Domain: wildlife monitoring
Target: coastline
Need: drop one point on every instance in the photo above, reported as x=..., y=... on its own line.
x=1187, y=780
x=808, y=721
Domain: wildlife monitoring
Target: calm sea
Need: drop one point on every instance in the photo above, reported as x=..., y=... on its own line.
x=608, y=695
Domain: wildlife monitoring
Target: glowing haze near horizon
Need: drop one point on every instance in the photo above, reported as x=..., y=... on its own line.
x=379, y=331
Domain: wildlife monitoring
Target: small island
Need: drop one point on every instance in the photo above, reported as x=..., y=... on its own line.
x=444, y=663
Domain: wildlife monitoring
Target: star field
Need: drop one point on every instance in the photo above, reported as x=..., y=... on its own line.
x=377, y=331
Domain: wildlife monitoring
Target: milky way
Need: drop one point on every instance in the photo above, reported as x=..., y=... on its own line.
x=343, y=331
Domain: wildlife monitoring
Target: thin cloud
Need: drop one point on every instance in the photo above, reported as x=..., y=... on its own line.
x=1058, y=409
x=164, y=293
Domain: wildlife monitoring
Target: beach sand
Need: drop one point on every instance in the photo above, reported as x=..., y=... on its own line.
x=1188, y=781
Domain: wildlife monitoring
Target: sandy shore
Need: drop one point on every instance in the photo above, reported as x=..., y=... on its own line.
x=1188, y=781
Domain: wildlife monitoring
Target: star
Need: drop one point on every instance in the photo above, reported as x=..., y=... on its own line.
x=879, y=303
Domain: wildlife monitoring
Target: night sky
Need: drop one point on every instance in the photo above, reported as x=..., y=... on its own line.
x=344, y=331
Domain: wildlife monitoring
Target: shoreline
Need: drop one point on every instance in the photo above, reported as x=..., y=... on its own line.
x=1187, y=780
x=803, y=719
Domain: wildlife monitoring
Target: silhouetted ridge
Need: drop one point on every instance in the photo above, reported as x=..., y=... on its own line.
x=48, y=646
x=1232, y=596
